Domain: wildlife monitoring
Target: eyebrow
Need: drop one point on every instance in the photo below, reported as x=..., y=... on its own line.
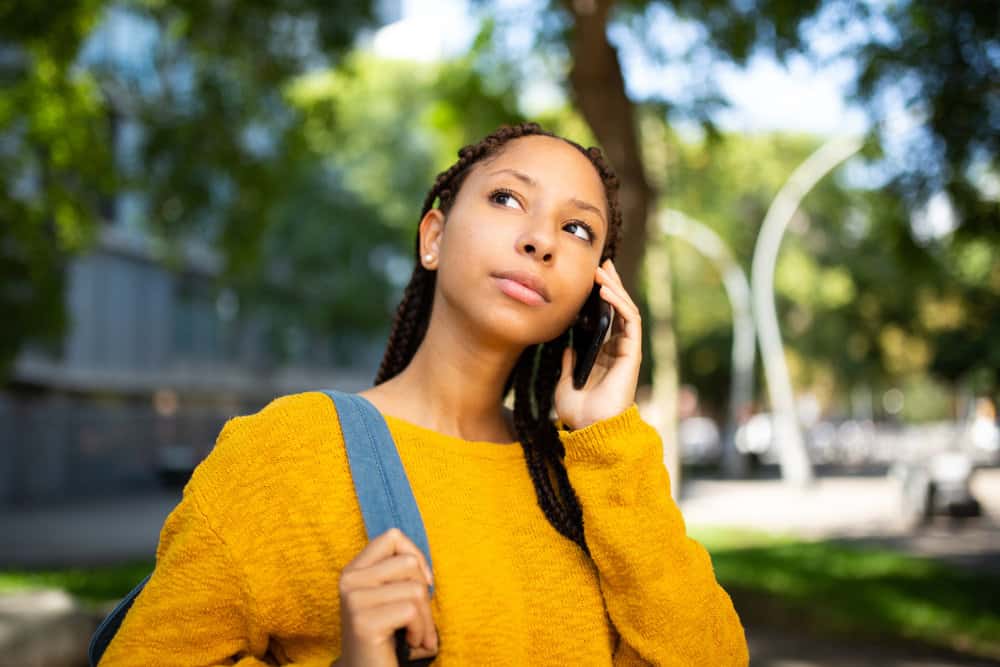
x=579, y=203
x=520, y=175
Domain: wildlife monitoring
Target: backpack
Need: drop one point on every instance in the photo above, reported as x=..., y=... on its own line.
x=383, y=492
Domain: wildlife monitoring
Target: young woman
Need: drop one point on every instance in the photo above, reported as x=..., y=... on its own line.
x=554, y=540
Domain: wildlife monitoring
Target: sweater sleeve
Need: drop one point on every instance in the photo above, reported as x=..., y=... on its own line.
x=658, y=584
x=196, y=608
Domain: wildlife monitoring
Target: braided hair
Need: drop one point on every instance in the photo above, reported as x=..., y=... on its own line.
x=537, y=370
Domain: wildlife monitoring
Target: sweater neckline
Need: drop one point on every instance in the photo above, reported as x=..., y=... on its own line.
x=460, y=446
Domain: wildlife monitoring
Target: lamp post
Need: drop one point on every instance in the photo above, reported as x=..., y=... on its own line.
x=711, y=246
x=795, y=465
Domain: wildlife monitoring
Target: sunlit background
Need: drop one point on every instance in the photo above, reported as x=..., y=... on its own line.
x=205, y=205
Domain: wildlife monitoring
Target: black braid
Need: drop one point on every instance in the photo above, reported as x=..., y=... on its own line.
x=534, y=389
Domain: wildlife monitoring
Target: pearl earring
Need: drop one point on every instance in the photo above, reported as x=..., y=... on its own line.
x=428, y=257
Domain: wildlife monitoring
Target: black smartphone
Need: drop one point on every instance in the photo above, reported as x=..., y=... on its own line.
x=588, y=334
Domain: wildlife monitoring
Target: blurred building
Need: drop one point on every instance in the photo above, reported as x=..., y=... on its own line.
x=153, y=364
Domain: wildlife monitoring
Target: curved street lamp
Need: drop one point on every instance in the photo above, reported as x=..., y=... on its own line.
x=795, y=465
x=707, y=242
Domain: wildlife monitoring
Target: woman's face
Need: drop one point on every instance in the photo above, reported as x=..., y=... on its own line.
x=537, y=210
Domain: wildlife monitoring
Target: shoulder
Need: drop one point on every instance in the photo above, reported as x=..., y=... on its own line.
x=283, y=423
x=279, y=441
x=284, y=411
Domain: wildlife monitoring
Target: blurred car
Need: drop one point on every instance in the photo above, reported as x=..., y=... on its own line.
x=756, y=436
x=699, y=440
x=939, y=484
x=983, y=436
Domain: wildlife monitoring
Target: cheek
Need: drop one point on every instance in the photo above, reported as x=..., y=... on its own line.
x=580, y=297
x=475, y=245
x=468, y=252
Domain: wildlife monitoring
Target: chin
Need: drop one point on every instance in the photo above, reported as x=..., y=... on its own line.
x=505, y=320
x=523, y=328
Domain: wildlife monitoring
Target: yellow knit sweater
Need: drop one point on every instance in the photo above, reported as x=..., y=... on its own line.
x=248, y=562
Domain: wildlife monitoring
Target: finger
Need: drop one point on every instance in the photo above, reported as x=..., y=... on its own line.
x=618, y=289
x=617, y=281
x=625, y=310
x=390, y=543
x=617, y=346
x=613, y=270
x=628, y=314
x=609, y=275
x=418, y=653
x=395, y=568
x=419, y=633
x=383, y=620
x=609, y=281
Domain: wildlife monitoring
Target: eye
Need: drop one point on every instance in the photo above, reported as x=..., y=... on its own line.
x=502, y=196
x=589, y=237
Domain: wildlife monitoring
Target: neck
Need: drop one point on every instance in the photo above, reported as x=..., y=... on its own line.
x=454, y=383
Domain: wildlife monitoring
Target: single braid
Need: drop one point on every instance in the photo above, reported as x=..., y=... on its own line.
x=409, y=325
x=533, y=388
x=535, y=455
x=547, y=376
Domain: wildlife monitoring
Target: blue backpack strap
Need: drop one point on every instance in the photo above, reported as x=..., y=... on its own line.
x=380, y=481
x=109, y=626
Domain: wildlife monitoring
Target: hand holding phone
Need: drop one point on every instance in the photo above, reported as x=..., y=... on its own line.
x=609, y=313
x=588, y=334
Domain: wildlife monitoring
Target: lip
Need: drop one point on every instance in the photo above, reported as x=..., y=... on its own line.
x=525, y=279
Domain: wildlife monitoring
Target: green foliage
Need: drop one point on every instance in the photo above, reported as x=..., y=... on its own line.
x=732, y=29
x=939, y=59
x=867, y=591
x=860, y=302
x=54, y=166
x=384, y=128
x=390, y=126
x=91, y=585
x=206, y=87
x=934, y=60
x=728, y=183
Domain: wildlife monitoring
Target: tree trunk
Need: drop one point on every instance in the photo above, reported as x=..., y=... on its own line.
x=598, y=88
x=599, y=92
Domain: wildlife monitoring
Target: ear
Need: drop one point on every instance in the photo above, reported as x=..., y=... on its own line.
x=431, y=233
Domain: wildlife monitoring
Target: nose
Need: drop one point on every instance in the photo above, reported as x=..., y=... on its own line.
x=538, y=245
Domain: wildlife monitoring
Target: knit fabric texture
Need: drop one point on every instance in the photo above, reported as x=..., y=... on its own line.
x=248, y=563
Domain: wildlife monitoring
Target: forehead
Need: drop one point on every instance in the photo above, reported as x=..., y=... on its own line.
x=553, y=163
